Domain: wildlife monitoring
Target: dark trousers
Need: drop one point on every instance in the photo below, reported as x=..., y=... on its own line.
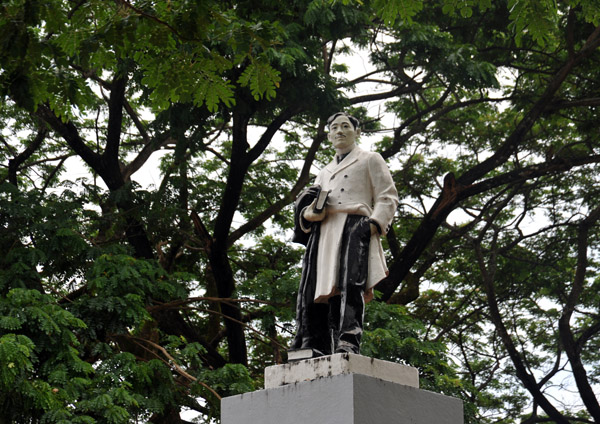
x=336, y=326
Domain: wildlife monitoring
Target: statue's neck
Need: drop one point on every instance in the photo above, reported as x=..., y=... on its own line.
x=345, y=150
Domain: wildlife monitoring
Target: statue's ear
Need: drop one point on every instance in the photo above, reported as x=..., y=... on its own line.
x=358, y=132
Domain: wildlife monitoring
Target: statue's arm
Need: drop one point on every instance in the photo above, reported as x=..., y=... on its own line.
x=385, y=195
x=302, y=227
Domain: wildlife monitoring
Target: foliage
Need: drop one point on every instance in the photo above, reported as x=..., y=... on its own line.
x=128, y=301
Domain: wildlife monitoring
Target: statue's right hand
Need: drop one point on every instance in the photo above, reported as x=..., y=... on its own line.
x=309, y=215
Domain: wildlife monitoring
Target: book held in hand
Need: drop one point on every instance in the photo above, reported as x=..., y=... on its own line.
x=321, y=201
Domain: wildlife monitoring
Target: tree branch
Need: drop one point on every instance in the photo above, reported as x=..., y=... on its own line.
x=449, y=198
x=136, y=121
x=385, y=95
x=69, y=133
x=14, y=163
x=523, y=127
x=564, y=104
x=571, y=348
x=526, y=378
x=110, y=158
x=303, y=179
x=141, y=158
x=170, y=362
x=272, y=128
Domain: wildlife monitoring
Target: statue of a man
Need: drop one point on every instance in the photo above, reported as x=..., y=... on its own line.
x=344, y=258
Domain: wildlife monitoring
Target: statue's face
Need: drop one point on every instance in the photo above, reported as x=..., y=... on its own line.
x=341, y=133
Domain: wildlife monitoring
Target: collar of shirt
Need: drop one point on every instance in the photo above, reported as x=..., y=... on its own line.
x=341, y=157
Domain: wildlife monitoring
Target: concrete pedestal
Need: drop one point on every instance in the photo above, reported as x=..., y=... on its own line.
x=340, y=363
x=344, y=395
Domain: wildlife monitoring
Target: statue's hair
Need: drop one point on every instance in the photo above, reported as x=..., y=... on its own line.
x=355, y=123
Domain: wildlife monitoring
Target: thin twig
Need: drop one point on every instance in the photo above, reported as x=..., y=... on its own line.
x=172, y=362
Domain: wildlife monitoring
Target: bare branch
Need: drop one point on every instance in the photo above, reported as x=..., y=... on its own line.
x=150, y=147
x=566, y=335
x=170, y=362
x=13, y=164
x=528, y=380
x=303, y=179
x=136, y=120
x=69, y=133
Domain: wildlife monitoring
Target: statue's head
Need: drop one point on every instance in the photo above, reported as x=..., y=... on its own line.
x=351, y=118
x=344, y=129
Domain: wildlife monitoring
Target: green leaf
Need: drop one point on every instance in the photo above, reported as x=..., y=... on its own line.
x=262, y=79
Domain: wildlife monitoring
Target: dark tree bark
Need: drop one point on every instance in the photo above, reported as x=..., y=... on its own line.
x=106, y=164
x=528, y=380
x=13, y=164
x=571, y=346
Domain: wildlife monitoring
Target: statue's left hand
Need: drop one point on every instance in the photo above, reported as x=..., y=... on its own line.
x=309, y=215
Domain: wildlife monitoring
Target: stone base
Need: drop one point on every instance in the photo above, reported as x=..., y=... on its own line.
x=340, y=363
x=341, y=397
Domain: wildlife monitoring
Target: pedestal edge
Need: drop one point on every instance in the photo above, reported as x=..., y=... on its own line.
x=340, y=363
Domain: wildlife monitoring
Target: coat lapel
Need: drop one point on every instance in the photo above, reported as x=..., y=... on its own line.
x=352, y=157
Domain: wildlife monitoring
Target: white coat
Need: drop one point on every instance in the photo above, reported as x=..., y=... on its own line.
x=361, y=184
